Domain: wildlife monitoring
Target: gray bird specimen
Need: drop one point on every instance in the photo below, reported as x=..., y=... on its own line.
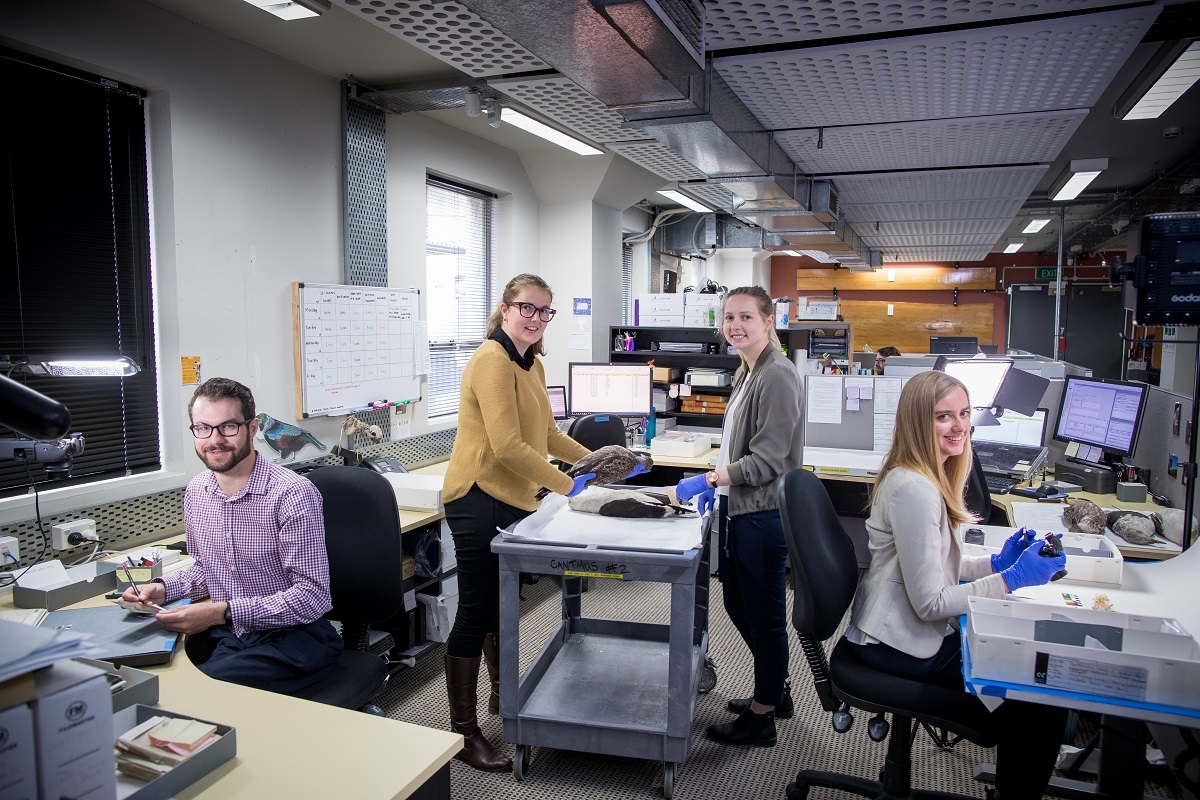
x=1168, y=522
x=611, y=463
x=1083, y=516
x=1131, y=526
x=627, y=503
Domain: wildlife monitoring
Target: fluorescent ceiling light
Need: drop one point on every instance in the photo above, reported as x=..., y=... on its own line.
x=292, y=9
x=1036, y=224
x=1013, y=245
x=788, y=253
x=1149, y=102
x=519, y=120
x=685, y=201
x=1079, y=173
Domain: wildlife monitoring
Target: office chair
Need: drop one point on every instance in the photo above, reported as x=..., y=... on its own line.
x=597, y=430
x=362, y=538
x=824, y=577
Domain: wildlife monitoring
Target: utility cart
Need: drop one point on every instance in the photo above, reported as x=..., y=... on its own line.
x=618, y=687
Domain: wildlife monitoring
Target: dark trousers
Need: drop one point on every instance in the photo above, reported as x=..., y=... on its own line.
x=752, y=567
x=283, y=660
x=1027, y=734
x=473, y=520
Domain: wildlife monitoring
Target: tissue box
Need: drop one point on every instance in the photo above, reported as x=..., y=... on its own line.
x=1140, y=658
x=1090, y=556
x=683, y=444
x=416, y=492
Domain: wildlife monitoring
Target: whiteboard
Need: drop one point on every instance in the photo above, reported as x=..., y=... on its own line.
x=356, y=347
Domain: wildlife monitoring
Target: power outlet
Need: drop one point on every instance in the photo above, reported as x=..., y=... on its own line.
x=66, y=535
x=10, y=552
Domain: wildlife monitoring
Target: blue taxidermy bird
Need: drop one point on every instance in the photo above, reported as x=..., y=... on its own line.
x=284, y=438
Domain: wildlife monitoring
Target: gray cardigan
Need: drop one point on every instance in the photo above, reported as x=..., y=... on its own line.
x=765, y=438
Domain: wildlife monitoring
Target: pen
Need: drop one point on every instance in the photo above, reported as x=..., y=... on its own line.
x=129, y=575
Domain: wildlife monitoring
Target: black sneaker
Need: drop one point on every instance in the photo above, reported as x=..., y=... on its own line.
x=748, y=728
x=785, y=709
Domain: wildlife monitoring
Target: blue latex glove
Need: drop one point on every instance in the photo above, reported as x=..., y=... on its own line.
x=706, y=500
x=688, y=488
x=640, y=469
x=581, y=483
x=1012, y=549
x=1032, y=568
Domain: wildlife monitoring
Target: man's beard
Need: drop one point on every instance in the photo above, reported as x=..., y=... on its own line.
x=226, y=460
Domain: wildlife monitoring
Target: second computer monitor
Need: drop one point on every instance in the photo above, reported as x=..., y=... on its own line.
x=558, y=401
x=953, y=345
x=623, y=390
x=1100, y=416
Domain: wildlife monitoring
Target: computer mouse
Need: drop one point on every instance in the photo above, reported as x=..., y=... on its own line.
x=1045, y=490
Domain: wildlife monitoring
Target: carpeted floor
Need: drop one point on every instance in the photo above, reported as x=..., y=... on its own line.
x=711, y=771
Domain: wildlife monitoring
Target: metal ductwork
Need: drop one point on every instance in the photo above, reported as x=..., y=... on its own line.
x=693, y=234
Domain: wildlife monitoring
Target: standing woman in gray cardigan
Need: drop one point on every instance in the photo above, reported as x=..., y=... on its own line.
x=760, y=443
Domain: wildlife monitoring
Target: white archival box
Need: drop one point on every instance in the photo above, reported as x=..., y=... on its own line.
x=1158, y=661
x=683, y=444
x=416, y=492
x=1091, y=557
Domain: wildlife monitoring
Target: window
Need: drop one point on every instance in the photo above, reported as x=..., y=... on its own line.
x=627, y=284
x=76, y=253
x=459, y=253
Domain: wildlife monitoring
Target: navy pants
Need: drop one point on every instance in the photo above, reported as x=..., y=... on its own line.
x=283, y=660
x=1027, y=734
x=752, y=570
x=473, y=520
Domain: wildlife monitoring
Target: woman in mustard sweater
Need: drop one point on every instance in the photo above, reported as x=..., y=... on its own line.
x=505, y=434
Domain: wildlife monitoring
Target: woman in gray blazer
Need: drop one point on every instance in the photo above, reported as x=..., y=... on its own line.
x=760, y=443
x=900, y=619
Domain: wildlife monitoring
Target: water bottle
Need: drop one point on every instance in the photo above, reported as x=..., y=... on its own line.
x=651, y=424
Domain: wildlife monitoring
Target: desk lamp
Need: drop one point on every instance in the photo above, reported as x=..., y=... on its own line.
x=994, y=386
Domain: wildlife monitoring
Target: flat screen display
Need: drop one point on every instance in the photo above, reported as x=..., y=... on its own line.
x=953, y=345
x=623, y=390
x=558, y=401
x=1102, y=416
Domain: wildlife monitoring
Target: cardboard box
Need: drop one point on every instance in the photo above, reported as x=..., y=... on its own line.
x=1090, y=556
x=683, y=444
x=1143, y=658
x=182, y=776
x=139, y=575
x=87, y=580
x=18, y=755
x=666, y=374
x=72, y=725
x=416, y=492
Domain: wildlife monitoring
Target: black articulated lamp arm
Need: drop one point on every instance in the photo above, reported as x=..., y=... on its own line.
x=30, y=413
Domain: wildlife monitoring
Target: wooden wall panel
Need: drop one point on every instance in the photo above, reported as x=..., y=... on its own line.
x=906, y=279
x=911, y=324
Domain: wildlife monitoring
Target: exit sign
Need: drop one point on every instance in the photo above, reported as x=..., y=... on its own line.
x=1045, y=273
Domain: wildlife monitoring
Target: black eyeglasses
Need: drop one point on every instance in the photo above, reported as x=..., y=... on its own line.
x=231, y=428
x=527, y=310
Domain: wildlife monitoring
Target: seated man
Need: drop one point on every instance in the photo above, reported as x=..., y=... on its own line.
x=258, y=537
x=882, y=355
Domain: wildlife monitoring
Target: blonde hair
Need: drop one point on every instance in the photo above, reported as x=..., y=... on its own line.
x=765, y=307
x=511, y=290
x=915, y=444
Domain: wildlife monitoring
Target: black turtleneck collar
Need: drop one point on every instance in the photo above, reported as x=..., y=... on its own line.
x=525, y=362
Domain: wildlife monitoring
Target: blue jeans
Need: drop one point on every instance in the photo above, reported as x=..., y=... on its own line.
x=752, y=569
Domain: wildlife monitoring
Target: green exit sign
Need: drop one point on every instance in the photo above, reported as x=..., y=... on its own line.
x=1045, y=273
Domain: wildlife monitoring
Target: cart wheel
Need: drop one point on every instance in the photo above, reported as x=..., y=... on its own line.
x=708, y=677
x=668, y=779
x=521, y=762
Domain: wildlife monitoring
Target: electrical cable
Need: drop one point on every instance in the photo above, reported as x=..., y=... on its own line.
x=37, y=508
x=648, y=234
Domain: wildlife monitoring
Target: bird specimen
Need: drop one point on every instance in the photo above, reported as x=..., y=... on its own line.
x=1168, y=522
x=1083, y=516
x=627, y=503
x=284, y=438
x=1131, y=526
x=611, y=463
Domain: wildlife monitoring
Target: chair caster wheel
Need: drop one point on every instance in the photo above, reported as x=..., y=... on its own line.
x=877, y=728
x=842, y=720
x=371, y=708
x=795, y=791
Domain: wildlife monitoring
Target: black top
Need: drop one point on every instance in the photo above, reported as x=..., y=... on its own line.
x=525, y=362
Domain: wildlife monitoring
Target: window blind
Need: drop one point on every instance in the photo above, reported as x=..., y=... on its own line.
x=627, y=284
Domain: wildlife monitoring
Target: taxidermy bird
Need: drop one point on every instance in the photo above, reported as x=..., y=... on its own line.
x=1083, y=516
x=611, y=463
x=1168, y=523
x=1131, y=526
x=285, y=439
x=627, y=503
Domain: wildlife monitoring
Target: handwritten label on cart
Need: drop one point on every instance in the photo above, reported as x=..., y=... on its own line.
x=572, y=573
x=580, y=568
x=1081, y=675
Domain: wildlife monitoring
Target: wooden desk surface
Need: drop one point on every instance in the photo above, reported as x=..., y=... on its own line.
x=1007, y=501
x=700, y=462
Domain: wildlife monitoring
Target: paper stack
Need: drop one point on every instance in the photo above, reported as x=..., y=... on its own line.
x=24, y=648
x=159, y=744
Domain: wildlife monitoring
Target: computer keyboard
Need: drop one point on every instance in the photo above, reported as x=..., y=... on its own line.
x=1000, y=484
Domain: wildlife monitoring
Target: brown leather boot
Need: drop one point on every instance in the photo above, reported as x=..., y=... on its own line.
x=491, y=657
x=462, y=676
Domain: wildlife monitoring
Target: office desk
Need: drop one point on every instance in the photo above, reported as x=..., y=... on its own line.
x=1008, y=501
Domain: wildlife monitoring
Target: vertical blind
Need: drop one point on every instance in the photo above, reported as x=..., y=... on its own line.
x=459, y=255
x=627, y=284
x=76, y=259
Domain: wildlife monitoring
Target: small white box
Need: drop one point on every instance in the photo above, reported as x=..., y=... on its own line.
x=816, y=308
x=1044, y=645
x=684, y=444
x=701, y=300
x=660, y=321
x=669, y=303
x=439, y=615
x=73, y=729
x=703, y=317
x=18, y=756
x=1090, y=556
x=449, y=559
x=416, y=492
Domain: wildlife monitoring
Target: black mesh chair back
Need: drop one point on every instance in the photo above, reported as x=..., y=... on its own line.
x=597, y=430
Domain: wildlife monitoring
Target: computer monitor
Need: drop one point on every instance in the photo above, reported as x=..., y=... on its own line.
x=989, y=349
x=1100, y=416
x=558, y=401
x=1015, y=428
x=953, y=345
x=623, y=390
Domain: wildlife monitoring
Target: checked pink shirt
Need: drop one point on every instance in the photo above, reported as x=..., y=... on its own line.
x=262, y=550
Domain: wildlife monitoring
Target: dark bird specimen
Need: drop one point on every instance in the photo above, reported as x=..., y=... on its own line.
x=1131, y=526
x=1083, y=516
x=611, y=463
x=628, y=503
x=285, y=439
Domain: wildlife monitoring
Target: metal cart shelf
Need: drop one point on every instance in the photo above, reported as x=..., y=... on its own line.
x=617, y=687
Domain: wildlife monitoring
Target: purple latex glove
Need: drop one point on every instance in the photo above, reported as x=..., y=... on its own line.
x=688, y=488
x=1013, y=547
x=581, y=483
x=1032, y=568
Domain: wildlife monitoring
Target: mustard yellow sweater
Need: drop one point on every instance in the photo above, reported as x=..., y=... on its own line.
x=505, y=432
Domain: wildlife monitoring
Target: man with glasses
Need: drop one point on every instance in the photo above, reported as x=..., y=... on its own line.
x=258, y=537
